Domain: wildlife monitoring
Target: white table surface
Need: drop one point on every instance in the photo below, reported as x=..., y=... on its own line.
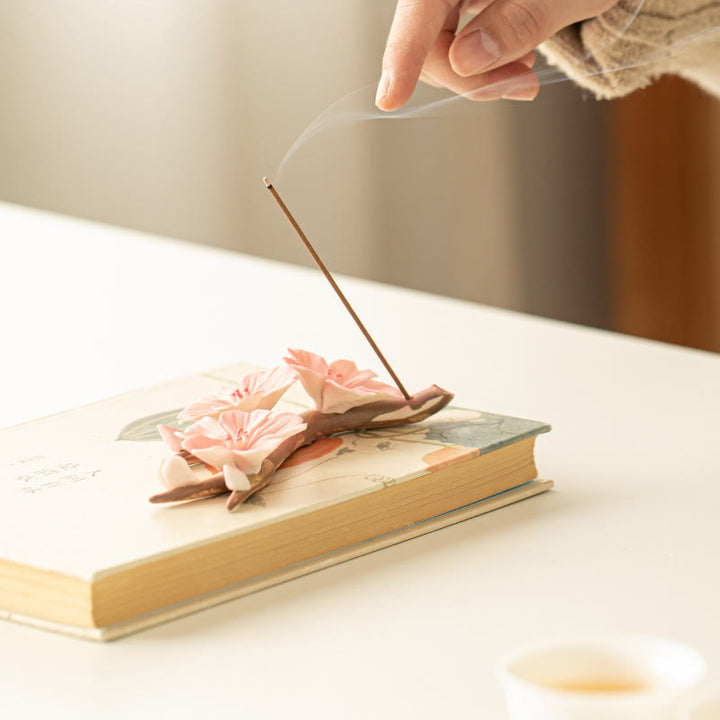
x=629, y=541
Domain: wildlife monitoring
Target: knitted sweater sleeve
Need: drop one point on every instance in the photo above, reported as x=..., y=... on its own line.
x=637, y=41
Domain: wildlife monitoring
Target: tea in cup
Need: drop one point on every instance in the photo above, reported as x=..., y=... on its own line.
x=600, y=677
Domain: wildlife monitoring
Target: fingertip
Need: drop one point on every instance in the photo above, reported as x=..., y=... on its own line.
x=389, y=105
x=528, y=60
x=391, y=95
x=386, y=103
x=522, y=94
x=382, y=89
x=511, y=82
x=525, y=88
x=384, y=106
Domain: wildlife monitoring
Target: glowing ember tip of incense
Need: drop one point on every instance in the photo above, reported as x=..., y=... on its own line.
x=268, y=184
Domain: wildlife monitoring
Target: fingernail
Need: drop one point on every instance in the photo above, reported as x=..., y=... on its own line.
x=520, y=94
x=475, y=52
x=509, y=89
x=383, y=88
x=522, y=91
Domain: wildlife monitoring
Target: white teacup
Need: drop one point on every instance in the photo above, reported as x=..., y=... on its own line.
x=600, y=677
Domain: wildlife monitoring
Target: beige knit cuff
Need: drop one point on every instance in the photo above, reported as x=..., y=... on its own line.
x=626, y=49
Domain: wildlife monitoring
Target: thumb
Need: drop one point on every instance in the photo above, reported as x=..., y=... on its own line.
x=506, y=30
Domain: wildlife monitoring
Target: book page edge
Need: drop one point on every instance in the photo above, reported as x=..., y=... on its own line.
x=163, y=615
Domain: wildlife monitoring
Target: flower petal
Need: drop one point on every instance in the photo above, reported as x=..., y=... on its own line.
x=175, y=472
x=216, y=456
x=209, y=427
x=210, y=404
x=267, y=401
x=382, y=388
x=312, y=383
x=337, y=399
x=269, y=381
x=278, y=380
x=249, y=461
x=282, y=424
x=171, y=436
x=253, y=382
x=306, y=359
x=235, y=479
x=346, y=371
x=235, y=424
x=310, y=369
x=251, y=402
x=200, y=442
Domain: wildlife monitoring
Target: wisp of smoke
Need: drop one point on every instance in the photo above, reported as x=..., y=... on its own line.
x=342, y=111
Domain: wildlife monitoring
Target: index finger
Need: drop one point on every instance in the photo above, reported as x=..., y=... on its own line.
x=415, y=27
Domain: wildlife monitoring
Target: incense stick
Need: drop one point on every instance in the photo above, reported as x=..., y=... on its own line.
x=334, y=285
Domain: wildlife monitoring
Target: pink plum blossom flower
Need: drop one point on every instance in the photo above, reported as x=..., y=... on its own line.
x=339, y=386
x=260, y=390
x=237, y=441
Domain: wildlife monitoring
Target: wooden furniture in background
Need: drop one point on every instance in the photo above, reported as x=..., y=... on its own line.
x=665, y=271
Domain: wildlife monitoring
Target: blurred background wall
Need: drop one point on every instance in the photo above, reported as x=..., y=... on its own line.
x=164, y=117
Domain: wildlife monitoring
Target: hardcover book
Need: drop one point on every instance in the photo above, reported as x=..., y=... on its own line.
x=82, y=551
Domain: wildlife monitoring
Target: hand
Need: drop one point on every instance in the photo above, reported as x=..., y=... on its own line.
x=490, y=58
